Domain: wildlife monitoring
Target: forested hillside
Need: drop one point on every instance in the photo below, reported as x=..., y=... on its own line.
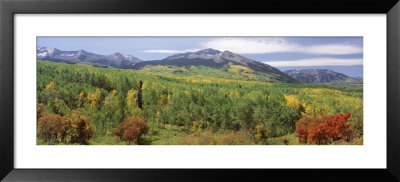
x=83, y=104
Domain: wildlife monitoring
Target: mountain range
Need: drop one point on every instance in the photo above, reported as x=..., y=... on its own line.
x=219, y=60
x=117, y=59
x=225, y=63
x=207, y=57
x=320, y=76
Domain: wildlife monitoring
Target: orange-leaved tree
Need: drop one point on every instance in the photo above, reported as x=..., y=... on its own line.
x=131, y=129
x=52, y=126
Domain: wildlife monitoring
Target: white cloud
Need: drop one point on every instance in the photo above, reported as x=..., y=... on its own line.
x=333, y=49
x=276, y=45
x=250, y=46
x=316, y=62
x=267, y=45
x=166, y=51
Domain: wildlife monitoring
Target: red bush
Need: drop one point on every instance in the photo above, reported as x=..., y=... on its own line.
x=304, y=125
x=302, y=134
x=131, y=129
x=334, y=128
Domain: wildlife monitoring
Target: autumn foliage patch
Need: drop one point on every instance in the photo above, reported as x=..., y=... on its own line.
x=75, y=128
x=52, y=126
x=131, y=129
x=190, y=105
x=80, y=128
x=324, y=130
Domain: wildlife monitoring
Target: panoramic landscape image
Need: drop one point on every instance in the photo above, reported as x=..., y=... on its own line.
x=199, y=90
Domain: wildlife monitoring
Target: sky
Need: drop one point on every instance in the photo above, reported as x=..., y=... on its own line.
x=341, y=54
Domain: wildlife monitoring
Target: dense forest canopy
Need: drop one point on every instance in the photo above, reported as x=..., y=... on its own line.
x=85, y=104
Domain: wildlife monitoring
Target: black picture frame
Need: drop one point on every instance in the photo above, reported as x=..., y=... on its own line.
x=9, y=8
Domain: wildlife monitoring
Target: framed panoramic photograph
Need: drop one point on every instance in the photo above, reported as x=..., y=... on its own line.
x=199, y=91
x=185, y=91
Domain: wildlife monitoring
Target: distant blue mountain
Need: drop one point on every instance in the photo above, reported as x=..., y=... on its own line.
x=320, y=76
x=115, y=60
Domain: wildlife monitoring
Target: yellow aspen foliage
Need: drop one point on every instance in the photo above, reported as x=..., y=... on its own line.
x=80, y=99
x=80, y=96
x=114, y=92
x=158, y=116
x=131, y=97
x=322, y=91
x=144, y=86
x=353, y=102
x=324, y=110
x=309, y=110
x=50, y=86
x=93, y=98
x=234, y=94
x=261, y=133
x=97, y=93
x=81, y=129
x=292, y=101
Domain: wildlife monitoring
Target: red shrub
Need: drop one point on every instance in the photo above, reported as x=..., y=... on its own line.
x=131, y=129
x=304, y=125
x=302, y=134
x=334, y=128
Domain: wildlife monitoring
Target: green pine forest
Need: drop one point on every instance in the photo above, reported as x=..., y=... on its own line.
x=83, y=104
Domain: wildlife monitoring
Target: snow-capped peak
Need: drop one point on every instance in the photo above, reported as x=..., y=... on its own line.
x=116, y=60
